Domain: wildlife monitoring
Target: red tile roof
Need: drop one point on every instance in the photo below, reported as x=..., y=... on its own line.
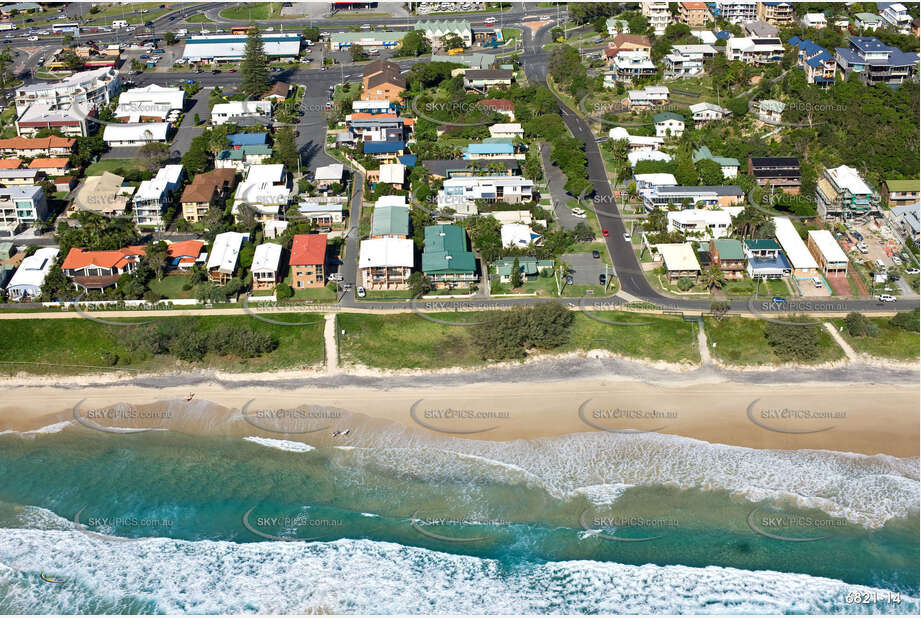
x=10, y=164
x=497, y=104
x=308, y=249
x=185, y=248
x=52, y=141
x=43, y=162
x=79, y=258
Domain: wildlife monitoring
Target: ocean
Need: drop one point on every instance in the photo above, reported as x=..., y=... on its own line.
x=394, y=521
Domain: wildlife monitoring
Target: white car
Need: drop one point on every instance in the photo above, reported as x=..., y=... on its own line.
x=334, y=277
x=361, y=292
x=545, y=18
x=32, y=38
x=490, y=20
x=627, y=237
x=886, y=298
x=578, y=212
x=912, y=271
x=896, y=260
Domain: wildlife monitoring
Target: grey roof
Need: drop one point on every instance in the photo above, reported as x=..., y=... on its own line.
x=442, y=167
x=717, y=189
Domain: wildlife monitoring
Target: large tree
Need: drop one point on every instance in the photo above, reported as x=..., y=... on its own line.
x=255, y=65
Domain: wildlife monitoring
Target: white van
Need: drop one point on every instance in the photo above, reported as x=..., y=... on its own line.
x=120, y=23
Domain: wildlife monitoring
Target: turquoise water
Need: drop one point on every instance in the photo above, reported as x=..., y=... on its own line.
x=173, y=522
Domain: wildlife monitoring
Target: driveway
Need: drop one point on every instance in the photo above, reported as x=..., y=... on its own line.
x=187, y=131
x=556, y=180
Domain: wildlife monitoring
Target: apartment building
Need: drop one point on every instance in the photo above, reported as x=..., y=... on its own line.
x=308, y=261
x=657, y=14
x=776, y=13
x=842, y=193
x=694, y=14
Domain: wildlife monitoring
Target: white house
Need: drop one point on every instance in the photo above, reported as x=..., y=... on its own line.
x=222, y=259
x=657, y=14
x=679, y=260
x=230, y=112
x=518, y=235
x=87, y=88
x=326, y=175
x=392, y=173
x=508, y=129
x=771, y=111
x=154, y=195
x=266, y=260
x=28, y=279
x=804, y=265
x=754, y=51
x=158, y=95
x=897, y=16
x=668, y=124
x=635, y=143
x=649, y=96
x=648, y=182
x=707, y=112
x=814, y=20
x=385, y=262
x=460, y=193
x=265, y=190
x=647, y=155
x=116, y=135
x=703, y=223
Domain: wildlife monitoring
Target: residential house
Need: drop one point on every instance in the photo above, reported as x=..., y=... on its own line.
x=761, y=29
x=698, y=197
x=460, y=193
x=510, y=129
x=154, y=195
x=694, y=14
x=703, y=113
x=451, y=168
x=308, y=261
x=366, y=127
x=64, y=184
x=901, y=192
x=446, y=261
x=206, y=190
x=473, y=61
x=185, y=254
x=116, y=135
x=628, y=66
x=26, y=283
x=10, y=164
x=627, y=42
x=657, y=14
x=897, y=17
x=326, y=215
x=234, y=111
x=51, y=146
x=390, y=218
x=765, y=259
x=504, y=150
x=647, y=155
x=828, y=254
x=265, y=191
x=482, y=80
x=435, y=31
x=224, y=254
x=97, y=270
x=529, y=267
x=668, y=124
x=867, y=21
x=703, y=223
x=69, y=119
x=106, y=194
x=374, y=107
x=685, y=60
x=501, y=106
x=650, y=96
x=327, y=175
x=727, y=253
x=776, y=173
x=680, y=261
x=383, y=81
x=51, y=166
x=635, y=143
x=616, y=26
x=842, y=193
x=646, y=183
x=21, y=206
x=798, y=255
x=154, y=95
x=518, y=235
x=875, y=62
x=771, y=111
x=278, y=92
x=819, y=65
x=393, y=174
x=242, y=157
x=20, y=176
x=814, y=20
x=751, y=50
x=387, y=152
x=728, y=165
x=265, y=268
x=908, y=219
x=385, y=263
x=737, y=12
x=776, y=13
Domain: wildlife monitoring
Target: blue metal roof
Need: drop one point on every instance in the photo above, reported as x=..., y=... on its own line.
x=724, y=34
x=382, y=147
x=247, y=139
x=408, y=160
x=491, y=149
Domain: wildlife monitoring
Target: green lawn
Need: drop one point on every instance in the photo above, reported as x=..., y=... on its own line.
x=62, y=342
x=409, y=341
x=110, y=165
x=198, y=18
x=741, y=341
x=891, y=342
x=318, y=294
x=171, y=287
x=253, y=11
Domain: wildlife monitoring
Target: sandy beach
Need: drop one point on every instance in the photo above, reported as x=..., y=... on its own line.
x=859, y=418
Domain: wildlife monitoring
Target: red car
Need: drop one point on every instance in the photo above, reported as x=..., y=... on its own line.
x=233, y=70
x=604, y=232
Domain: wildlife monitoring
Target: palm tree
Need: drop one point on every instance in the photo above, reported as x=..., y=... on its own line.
x=713, y=277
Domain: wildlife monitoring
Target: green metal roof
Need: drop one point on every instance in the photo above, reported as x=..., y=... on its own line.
x=526, y=265
x=703, y=153
x=443, y=242
x=388, y=220
x=729, y=249
x=904, y=185
x=667, y=116
x=762, y=244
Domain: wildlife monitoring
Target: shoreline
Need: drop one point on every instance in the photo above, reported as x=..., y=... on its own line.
x=868, y=418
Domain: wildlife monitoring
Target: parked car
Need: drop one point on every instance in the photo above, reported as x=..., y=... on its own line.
x=604, y=232
x=596, y=254
x=578, y=212
x=857, y=235
x=896, y=260
x=232, y=71
x=778, y=299
x=602, y=278
x=32, y=38
x=886, y=298
x=334, y=277
x=361, y=291
x=912, y=271
x=627, y=237
x=569, y=279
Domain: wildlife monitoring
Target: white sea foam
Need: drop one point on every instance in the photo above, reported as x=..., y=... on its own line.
x=363, y=576
x=54, y=428
x=602, y=495
x=283, y=445
x=867, y=490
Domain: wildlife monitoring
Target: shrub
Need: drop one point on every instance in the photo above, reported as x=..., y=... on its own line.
x=283, y=291
x=512, y=333
x=859, y=325
x=793, y=342
x=109, y=358
x=685, y=284
x=907, y=320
